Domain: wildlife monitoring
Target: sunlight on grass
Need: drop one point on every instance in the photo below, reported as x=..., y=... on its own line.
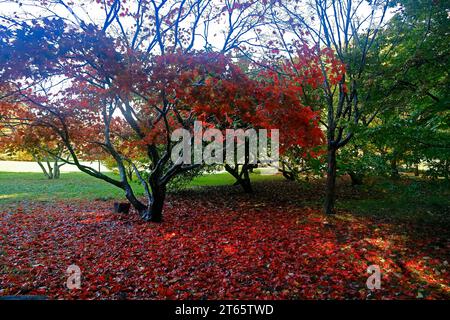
x=35, y=187
x=11, y=196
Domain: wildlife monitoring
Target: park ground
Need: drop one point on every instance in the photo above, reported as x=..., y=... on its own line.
x=218, y=243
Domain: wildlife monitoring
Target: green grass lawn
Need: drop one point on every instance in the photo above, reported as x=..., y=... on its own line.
x=34, y=186
x=408, y=199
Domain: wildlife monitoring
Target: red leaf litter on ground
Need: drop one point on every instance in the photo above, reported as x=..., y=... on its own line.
x=206, y=249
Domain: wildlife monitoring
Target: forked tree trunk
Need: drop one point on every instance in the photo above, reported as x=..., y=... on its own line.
x=331, y=181
x=43, y=169
x=51, y=172
x=245, y=184
x=154, y=211
x=50, y=169
x=287, y=172
x=242, y=178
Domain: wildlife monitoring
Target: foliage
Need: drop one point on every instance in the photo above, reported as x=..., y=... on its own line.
x=154, y=95
x=408, y=87
x=39, y=144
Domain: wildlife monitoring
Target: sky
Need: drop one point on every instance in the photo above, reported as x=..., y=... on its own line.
x=91, y=11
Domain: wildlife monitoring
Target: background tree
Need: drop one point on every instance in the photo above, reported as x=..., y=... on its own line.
x=282, y=103
x=346, y=31
x=415, y=127
x=38, y=144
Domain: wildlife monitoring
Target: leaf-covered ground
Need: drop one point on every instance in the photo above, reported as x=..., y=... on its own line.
x=217, y=243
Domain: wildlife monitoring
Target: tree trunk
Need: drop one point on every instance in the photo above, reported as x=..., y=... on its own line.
x=129, y=171
x=50, y=170
x=287, y=172
x=394, y=169
x=289, y=175
x=43, y=168
x=56, y=172
x=416, y=170
x=41, y=165
x=357, y=179
x=246, y=185
x=154, y=212
x=446, y=169
x=331, y=181
x=242, y=179
x=157, y=206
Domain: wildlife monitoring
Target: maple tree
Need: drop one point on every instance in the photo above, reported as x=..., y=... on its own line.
x=145, y=76
x=277, y=100
x=22, y=140
x=37, y=143
x=73, y=77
